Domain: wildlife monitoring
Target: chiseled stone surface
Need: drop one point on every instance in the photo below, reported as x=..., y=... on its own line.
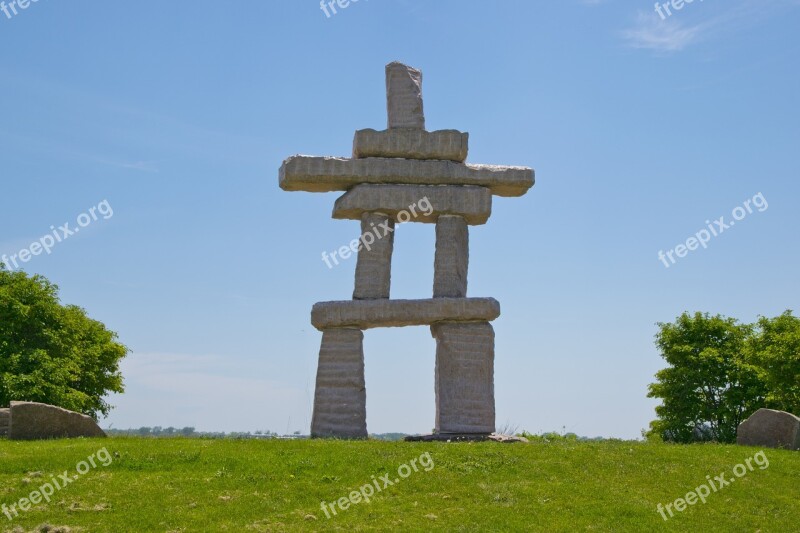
x=325, y=174
x=771, y=429
x=5, y=417
x=464, y=377
x=340, y=401
x=412, y=143
x=404, y=96
x=392, y=172
x=374, y=266
x=451, y=262
x=32, y=421
x=421, y=203
x=366, y=314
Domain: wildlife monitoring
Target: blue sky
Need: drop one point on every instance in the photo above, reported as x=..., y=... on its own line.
x=179, y=114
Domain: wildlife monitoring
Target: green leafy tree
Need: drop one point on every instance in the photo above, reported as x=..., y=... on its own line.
x=775, y=350
x=709, y=388
x=53, y=353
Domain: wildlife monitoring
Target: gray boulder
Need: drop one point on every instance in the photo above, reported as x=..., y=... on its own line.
x=770, y=429
x=34, y=421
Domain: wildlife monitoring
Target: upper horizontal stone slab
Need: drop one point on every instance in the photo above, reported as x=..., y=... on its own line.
x=366, y=314
x=325, y=174
x=421, y=203
x=412, y=143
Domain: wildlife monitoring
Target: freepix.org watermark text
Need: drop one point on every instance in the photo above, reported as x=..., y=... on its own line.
x=46, y=491
x=711, y=486
x=376, y=233
x=46, y=243
x=365, y=492
x=715, y=229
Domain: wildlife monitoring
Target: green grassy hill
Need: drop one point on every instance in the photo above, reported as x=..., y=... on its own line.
x=274, y=485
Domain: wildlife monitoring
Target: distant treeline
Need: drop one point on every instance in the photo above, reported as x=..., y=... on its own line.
x=190, y=432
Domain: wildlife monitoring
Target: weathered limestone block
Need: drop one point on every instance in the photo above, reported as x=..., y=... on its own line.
x=340, y=401
x=374, y=267
x=366, y=314
x=32, y=421
x=411, y=143
x=404, y=96
x=771, y=429
x=451, y=262
x=5, y=420
x=325, y=174
x=416, y=203
x=464, y=377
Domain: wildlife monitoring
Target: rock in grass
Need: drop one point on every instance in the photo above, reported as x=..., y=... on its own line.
x=770, y=429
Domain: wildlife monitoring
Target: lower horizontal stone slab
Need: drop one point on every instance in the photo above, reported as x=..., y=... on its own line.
x=367, y=314
x=326, y=174
x=411, y=143
x=416, y=203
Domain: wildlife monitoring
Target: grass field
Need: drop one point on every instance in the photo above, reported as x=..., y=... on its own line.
x=275, y=485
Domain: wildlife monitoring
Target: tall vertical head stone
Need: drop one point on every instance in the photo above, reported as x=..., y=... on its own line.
x=404, y=96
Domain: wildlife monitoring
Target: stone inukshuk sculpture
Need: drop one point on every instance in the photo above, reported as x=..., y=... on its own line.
x=389, y=171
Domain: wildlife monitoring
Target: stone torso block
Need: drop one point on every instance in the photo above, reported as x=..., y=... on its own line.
x=421, y=203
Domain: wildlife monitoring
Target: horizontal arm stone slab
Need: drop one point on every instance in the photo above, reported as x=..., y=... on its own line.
x=366, y=314
x=422, y=203
x=325, y=174
x=411, y=143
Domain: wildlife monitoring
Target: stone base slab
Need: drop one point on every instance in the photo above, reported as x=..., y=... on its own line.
x=465, y=437
x=366, y=314
x=411, y=143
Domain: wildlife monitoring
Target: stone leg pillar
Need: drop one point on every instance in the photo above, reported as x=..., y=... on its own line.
x=340, y=401
x=452, y=257
x=464, y=377
x=374, y=267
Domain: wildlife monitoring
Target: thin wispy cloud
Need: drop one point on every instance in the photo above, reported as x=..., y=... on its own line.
x=698, y=21
x=63, y=150
x=650, y=32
